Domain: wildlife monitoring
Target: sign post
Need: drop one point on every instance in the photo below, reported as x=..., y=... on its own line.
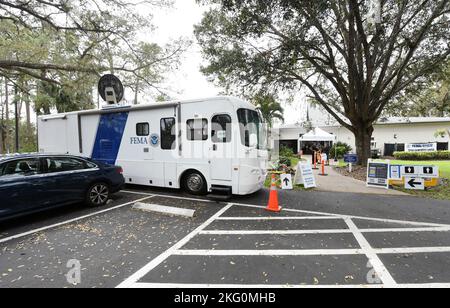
x=350, y=159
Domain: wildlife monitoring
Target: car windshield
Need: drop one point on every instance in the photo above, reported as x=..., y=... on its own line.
x=250, y=123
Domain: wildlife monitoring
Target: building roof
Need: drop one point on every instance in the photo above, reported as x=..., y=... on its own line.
x=412, y=120
x=386, y=121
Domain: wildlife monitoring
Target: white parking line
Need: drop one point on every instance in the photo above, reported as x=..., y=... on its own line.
x=331, y=231
x=279, y=218
x=161, y=258
x=402, y=222
x=285, y=252
x=374, y=260
x=168, y=196
x=7, y=239
x=272, y=232
x=412, y=250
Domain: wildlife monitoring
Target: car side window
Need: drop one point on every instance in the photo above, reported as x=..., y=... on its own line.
x=20, y=168
x=63, y=164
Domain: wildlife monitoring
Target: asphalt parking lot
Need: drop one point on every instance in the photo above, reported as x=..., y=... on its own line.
x=319, y=240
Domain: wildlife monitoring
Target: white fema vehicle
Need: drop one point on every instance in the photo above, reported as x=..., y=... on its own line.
x=214, y=145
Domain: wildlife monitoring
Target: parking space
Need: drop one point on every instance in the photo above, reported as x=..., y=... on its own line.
x=243, y=246
x=110, y=244
x=235, y=245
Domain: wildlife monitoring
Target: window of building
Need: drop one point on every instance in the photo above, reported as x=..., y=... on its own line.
x=168, y=134
x=197, y=129
x=221, y=128
x=142, y=129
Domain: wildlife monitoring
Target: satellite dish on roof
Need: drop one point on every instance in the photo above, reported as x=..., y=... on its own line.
x=111, y=89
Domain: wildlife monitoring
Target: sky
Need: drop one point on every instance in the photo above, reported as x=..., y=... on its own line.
x=188, y=82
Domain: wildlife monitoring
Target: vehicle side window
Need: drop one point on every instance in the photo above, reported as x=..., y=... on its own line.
x=221, y=128
x=62, y=164
x=20, y=167
x=197, y=129
x=168, y=134
x=142, y=129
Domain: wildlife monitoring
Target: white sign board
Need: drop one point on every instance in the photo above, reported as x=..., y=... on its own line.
x=286, y=182
x=395, y=172
x=305, y=176
x=415, y=183
x=428, y=172
x=378, y=174
x=421, y=147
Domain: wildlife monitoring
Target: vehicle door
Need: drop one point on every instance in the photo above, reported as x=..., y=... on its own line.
x=222, y=148
x=21, y=186
x=68, y=178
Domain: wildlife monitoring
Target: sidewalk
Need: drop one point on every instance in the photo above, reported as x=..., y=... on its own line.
x=335, y=182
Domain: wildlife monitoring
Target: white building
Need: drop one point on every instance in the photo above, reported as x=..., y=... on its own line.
x=390, y=134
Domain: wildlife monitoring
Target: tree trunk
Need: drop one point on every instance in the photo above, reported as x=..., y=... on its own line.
x=136, y=93
x=26, y=98
x=17, y=119
x=6, y=125
x=363, y=137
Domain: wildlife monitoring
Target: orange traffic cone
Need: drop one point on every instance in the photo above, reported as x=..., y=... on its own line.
x=273, y=198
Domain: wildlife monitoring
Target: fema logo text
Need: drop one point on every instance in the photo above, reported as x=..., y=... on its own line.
x=139, y=140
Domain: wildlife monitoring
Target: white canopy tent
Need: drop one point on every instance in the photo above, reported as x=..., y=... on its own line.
x=316, y=135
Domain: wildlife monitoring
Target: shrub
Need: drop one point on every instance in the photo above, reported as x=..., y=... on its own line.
x=439, y=155
x=285, y=161
x=339, y=149
x=286, y=152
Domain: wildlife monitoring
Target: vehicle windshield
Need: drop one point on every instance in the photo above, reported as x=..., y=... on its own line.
x=250, y=123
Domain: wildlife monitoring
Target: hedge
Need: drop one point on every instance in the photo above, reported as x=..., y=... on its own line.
x=439, y=155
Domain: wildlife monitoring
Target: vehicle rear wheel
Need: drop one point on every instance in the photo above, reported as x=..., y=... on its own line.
x=194, y=183
x=97, y=195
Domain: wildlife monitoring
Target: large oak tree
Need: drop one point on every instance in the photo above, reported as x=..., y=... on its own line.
x=353, y=57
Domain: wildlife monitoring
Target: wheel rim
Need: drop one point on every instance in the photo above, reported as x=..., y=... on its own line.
x=195, y=183
x=99, y=194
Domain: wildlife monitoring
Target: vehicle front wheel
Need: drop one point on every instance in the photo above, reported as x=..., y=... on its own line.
x=97, y=195
x=195, y=184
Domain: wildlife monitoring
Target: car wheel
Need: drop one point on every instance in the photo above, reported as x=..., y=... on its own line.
x=97, y=195
x=194, y=183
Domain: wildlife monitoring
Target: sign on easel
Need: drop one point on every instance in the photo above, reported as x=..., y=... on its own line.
x=305, y=176
x=378, y=174
x=286, y=182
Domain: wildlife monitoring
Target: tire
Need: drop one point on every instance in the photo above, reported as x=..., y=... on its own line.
x=194, y=183
x=97, y=195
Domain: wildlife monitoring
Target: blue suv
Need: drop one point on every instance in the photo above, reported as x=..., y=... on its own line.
x=35, y=182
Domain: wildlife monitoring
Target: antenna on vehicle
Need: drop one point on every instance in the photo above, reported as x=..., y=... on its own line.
x=111, y=89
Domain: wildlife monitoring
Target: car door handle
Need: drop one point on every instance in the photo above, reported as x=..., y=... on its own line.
x=215, y=147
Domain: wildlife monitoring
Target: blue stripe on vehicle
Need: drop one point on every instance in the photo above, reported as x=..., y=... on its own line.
x=109, y=137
